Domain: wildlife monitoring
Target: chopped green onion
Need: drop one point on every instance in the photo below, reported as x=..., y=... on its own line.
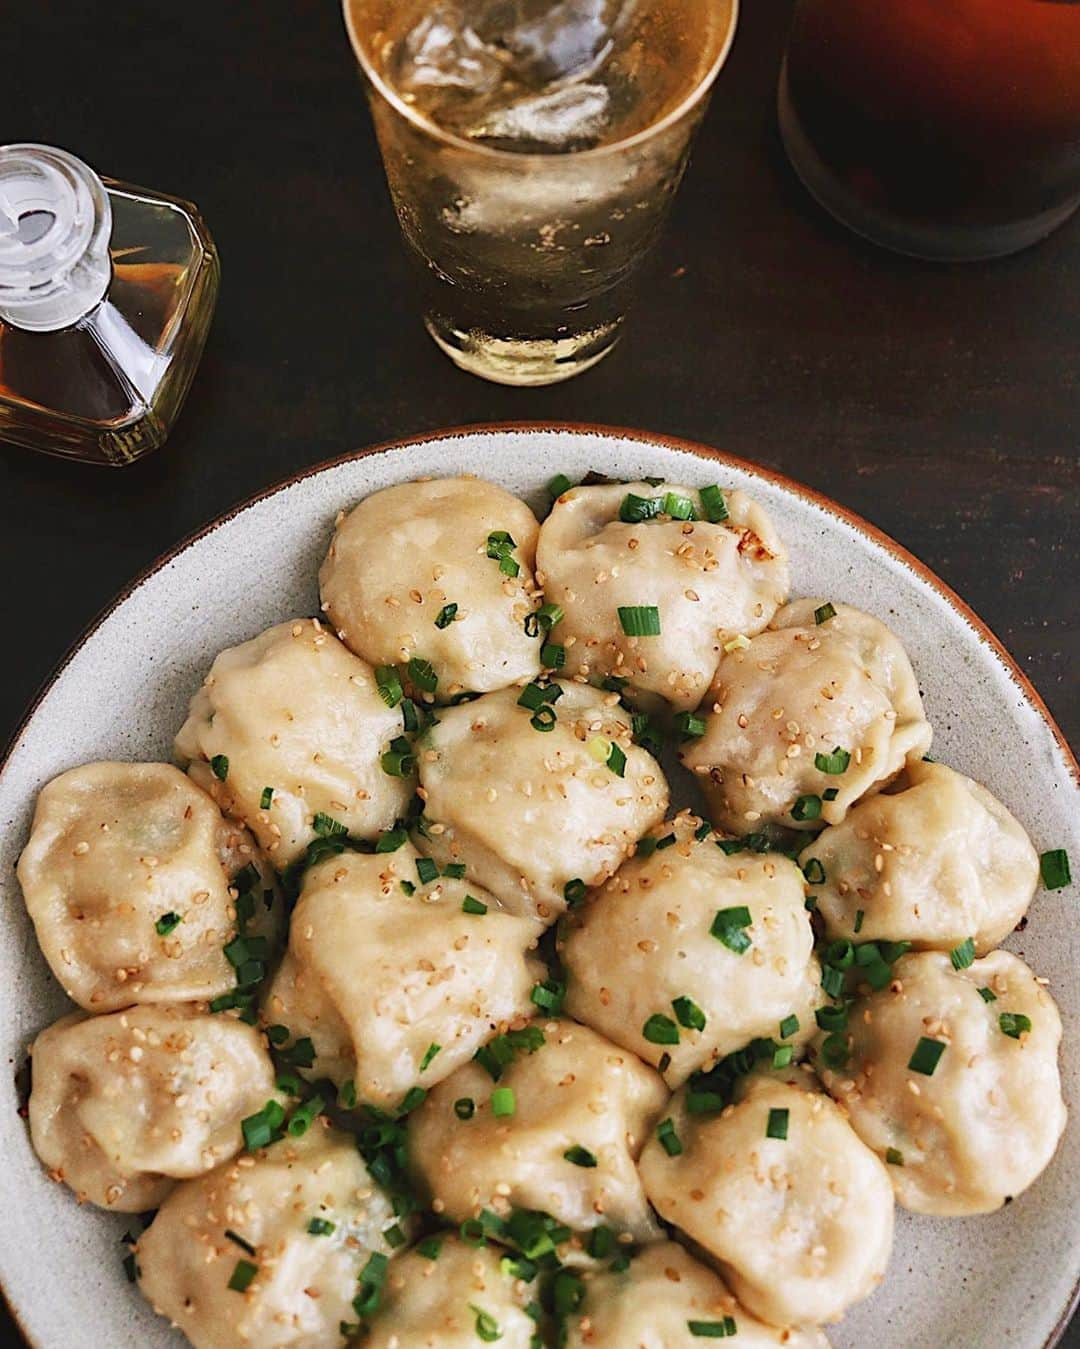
x=321, y=1227
x=399, y=760
x=472, y=1233
x=678, y=507
x=777, y=1126
x=472, y=905
x=558, y=485
x=660, y=1030
x=729, y=926
x=391, y=840
x=574, y=893
x=616, y=761
x=834, y=763
x=487, y=1328
x=840, y=954
x=278, y=1035
x=835, y=1051
x=783, y=1056
x=549, y=995
x=347, y=1095
x=423, y=675
x=262, y=1128
x=688, y=1014
x=963, y=956
x=814, y=872
x=289, y=1083
x=987, y=995
x=412, y=1100
x=894, y=1157
x=243, y=1274
x=1014, y=1024
x=454, y=871
x=832, y=981
x=714, y=1330
x=702, y=832
x=464, y=1107
x=503, y=1103
x=830, y=793
x=326, y=826
x=549, y=616
x=1054, y=869
x=859, y=916
x=635, y=509
x=167, y=923
x=926, y=1056
x=640, y=620
x=426, y=870
x=552, y=656
x=238, y=1240
x=544, y=720
x=430, y=1247
x=372, y=1277
x=806, y=808
x=579, y=1156
x=304, y=1116
x=600, y=1243
x=668, y=1139
x=220, y=766
x=389, y=682
x=823, y=614
x=534, y=696
x=831, y=1018
x=447, y=614
x=689, y=726
x=394, y=1237
x=789, y=1026
x=664, y=1064
x=713, y=506
x=267, y=798
x=429, y=1054
x=407, y=887
x=568, y=1292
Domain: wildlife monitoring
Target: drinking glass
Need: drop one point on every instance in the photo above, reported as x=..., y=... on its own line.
x=947, y=129
x=528, y=209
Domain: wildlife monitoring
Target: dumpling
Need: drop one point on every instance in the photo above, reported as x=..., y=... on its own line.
x=665, y=1299
x=288, y=733
x=953, y=1078
x=270, y=1253
x=397, y=980
x=688, y=953
x=805, y=719
x=559, y=1130
x=133, y=881
x=712, y=567
x=440, y=571
x=124, y=1105
x=778, y=1189
x=446, y=1294
x=535, y=801
x=933, y=860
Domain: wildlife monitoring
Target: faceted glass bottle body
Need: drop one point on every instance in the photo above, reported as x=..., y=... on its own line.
x=108, y=388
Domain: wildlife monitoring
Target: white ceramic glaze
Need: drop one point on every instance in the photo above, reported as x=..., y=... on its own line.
x=966, y=1284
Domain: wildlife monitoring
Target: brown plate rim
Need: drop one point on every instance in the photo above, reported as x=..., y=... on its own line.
x=648, y=438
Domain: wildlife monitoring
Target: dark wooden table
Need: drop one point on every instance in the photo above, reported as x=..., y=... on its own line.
x=943, y=403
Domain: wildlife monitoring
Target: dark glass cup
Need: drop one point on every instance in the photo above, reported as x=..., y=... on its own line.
x=946, y=129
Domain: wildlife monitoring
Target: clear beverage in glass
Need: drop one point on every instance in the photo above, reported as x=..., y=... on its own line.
x=533, y=149
x=947, y=129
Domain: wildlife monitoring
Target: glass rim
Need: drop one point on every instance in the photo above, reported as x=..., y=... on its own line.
x=438, y=133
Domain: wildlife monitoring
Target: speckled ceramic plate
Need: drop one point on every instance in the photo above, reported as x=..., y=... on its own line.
x=123, y=691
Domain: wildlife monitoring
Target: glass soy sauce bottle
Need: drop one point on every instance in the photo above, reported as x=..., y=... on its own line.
x=106, y=297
